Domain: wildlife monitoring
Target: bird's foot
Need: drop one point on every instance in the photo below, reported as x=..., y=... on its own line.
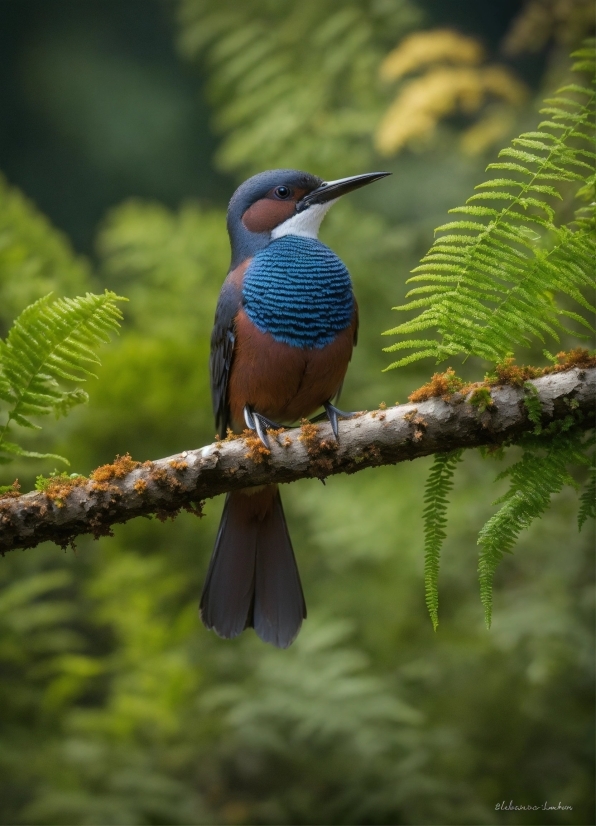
x=333, y=414
x=260, y=424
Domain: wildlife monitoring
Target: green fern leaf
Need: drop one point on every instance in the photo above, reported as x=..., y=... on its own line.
x=266, y=91
x=438, y=485
x=51, y=341
x=534, y=479
x=489, y=284
x=12, y=449
x=587, y=501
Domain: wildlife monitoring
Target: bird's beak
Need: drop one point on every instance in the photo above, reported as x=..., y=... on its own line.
x=330, y=190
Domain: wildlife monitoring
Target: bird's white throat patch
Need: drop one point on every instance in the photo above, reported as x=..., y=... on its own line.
x=305, y=223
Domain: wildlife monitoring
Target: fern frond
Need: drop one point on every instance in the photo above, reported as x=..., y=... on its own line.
x=587, y=501
x=533, y=480
x=266, y=92
x=438, y=485
x=489, y=281
x=51, y=341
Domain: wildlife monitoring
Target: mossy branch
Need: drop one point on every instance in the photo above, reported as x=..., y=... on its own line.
x=68, y=507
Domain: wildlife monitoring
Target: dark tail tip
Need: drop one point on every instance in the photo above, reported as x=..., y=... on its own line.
x=253, y=578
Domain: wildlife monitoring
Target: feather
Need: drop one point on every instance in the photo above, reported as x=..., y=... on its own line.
x=223, y=339
x=299, y=291
x=253, y=579
x=279, y=606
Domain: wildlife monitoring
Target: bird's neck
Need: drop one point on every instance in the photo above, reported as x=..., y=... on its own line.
x=245, y=244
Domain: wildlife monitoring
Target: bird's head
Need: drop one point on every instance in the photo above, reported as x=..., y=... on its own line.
x=283, y=202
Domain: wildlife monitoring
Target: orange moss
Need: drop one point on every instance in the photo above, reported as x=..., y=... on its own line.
x=578, y=357
x=445, y=385
x=421, y=426
x=321, y=463
x=441, y=385
x=161, y=477
x=257, y=451
x=308, y=435
x=419, y=423
x=320, y=452
x=140, y=486
x=12, y=491
x=507, y=372
x=120, y=467
x=59, y=488
x=176, y=464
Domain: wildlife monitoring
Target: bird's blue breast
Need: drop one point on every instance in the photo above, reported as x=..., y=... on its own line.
x=298, y=291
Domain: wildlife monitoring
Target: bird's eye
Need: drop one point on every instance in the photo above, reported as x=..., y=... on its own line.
x=282, y=192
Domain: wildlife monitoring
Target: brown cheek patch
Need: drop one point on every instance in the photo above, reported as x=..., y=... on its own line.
x=266, y=214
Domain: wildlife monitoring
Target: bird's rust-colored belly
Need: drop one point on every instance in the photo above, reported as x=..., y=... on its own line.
x=281, y=382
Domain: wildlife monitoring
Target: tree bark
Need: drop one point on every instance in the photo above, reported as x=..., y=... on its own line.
x=124, y=490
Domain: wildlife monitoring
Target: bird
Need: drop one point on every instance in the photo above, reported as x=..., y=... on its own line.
x=285, y=325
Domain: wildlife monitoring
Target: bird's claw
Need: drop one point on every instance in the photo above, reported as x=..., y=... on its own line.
x=260, y=424
x=332, y=413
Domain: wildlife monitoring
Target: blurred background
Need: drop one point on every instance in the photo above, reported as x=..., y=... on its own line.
x=125, y=128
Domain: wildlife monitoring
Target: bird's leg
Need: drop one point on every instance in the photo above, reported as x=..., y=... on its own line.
x=255, y=421
x=332, y=413
x=248, y=417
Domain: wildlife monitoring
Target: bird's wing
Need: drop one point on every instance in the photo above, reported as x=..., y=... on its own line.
x=223, y=339
x=355, y=325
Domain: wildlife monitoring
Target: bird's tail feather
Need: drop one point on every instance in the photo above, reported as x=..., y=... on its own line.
x=253, y=580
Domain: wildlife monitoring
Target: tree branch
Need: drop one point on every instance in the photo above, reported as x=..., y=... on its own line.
x=119, y=492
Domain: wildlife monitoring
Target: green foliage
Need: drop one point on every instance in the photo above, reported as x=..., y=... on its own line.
x=44, y=482
x=322, y=698
x=51, y=342
x=34, y=257
x=490, y=282
x=533, y=406
x=533, y=480
x=481, y=399
x=587, y=502
x=274, y=68
x=118, y=707
x=156, y=255
x=438, y=486
x=493, y=288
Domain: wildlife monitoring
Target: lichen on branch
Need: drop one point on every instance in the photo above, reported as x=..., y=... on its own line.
x=125, y=489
